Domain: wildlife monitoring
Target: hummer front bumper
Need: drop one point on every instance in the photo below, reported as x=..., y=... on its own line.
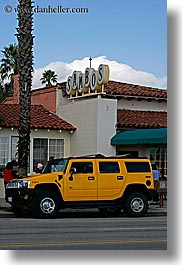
x=18, y=193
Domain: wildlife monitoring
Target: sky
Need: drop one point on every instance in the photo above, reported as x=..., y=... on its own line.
x=129, y=35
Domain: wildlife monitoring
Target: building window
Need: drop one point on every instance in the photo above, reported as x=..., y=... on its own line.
x=4, y=148
x=44, y=148
x=40, y=151
x=56, y=148
x=158, y=155
x=14, y=147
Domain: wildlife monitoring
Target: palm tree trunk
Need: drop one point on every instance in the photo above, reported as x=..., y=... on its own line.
x=25, y=69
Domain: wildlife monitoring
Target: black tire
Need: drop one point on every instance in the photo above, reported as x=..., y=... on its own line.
x=45, y=205
x=136, y=205
x=110, y=211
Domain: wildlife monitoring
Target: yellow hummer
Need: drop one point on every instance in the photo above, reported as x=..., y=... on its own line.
x=107, y=183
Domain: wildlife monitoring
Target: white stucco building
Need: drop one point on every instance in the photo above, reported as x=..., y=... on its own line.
x=87, y=123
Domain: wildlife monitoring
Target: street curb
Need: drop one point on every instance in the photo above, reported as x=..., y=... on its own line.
x=6, y=215
x=6, y=212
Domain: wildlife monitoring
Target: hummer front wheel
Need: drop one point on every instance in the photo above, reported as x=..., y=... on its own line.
x=45, y=205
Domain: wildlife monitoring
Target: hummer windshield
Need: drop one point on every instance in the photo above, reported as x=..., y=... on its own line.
x=55, y=165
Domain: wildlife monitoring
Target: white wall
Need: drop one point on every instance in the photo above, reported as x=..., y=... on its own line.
x=95, y=120
x=60, y=100
x=106, y=125
x=145, y=105
x=83, y=116
x=2, y=188
x=143, y=150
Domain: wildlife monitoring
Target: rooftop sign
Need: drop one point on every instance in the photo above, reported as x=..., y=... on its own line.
x=87, y=82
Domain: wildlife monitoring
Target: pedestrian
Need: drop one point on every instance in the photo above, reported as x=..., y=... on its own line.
x=39, y=168
x=155, y=172
x=8, y=175
x=156, y=176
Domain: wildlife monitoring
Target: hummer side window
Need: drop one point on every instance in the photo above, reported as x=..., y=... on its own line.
x=137, y=167
x=109, y=167
x=83, y=167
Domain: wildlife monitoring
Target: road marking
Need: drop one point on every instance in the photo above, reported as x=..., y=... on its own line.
x=149, y=228
x=82, y=242
x=100, y=220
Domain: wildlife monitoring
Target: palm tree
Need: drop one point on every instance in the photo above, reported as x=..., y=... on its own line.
x=5, y=90
x=1, y=93
x=8, y=67
x=9, y=62
x=25, y=70
x=49, y=77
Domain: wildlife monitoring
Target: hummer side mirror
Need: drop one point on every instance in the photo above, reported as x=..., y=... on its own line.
x=72, y=171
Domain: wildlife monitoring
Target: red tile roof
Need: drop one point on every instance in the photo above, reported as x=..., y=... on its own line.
x=124, y=89
x=41, y=118
x=141, y=119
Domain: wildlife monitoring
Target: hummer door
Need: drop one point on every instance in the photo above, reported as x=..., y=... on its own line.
x=82, y=184
x=110, y=179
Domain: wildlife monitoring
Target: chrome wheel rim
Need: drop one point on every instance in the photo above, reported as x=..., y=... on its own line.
x=137, y=204
x=47, y=205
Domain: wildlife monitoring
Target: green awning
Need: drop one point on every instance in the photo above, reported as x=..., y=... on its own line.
x=143, y=136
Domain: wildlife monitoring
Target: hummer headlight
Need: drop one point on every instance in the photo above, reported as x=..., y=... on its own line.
x=18, y=184
x=24, y=184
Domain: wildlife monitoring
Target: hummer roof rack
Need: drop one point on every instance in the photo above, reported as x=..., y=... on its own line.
x=128, y=155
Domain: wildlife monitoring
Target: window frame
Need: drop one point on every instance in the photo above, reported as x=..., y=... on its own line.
x=55, y=152
x=4, y=153
x=158, y=155
x=13, y=154
x=48, y=152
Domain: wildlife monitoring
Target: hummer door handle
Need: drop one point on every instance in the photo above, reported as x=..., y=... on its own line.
x=91, y=178
x=120, y=177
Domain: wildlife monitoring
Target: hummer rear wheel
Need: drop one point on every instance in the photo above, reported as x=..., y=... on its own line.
x=136, y=204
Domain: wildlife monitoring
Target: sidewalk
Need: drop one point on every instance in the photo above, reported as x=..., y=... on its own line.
x=155, y=210
x=5, y=209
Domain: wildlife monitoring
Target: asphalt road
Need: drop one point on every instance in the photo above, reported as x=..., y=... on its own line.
x=85, y=231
